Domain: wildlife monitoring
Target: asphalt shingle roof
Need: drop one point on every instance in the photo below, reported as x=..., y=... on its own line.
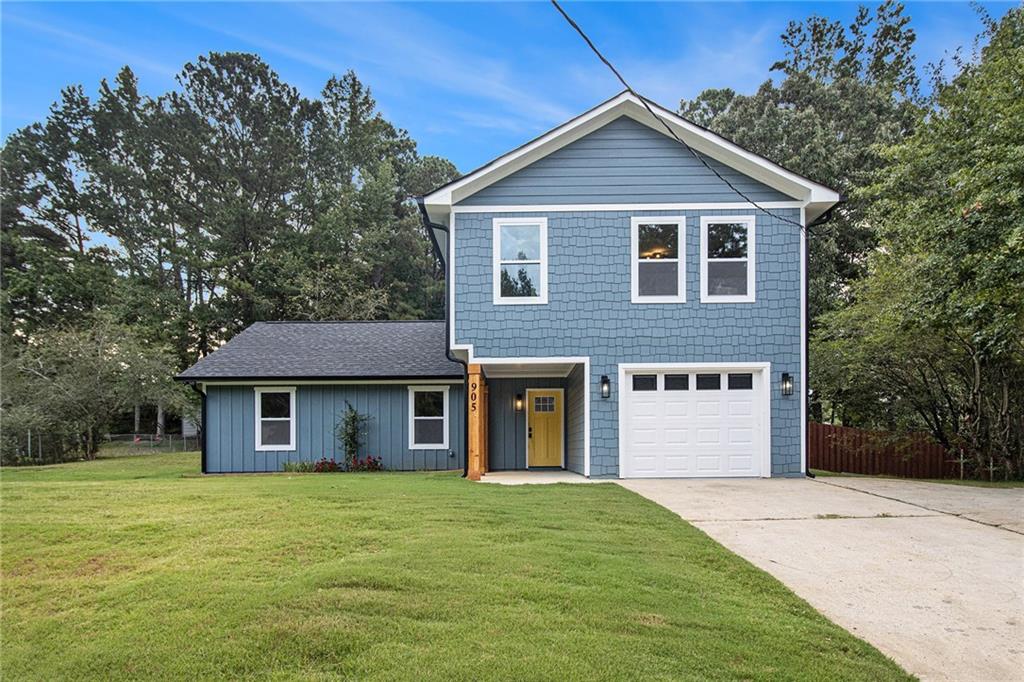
x=330, y=350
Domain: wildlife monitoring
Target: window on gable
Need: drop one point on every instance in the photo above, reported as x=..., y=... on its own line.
x=658, y=267
x=727, y=259
x=428, y=417
x=520, y=260
x=275, y=418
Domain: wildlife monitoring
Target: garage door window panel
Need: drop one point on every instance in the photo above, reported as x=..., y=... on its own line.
x=645, y=382
x=677, y=382
x=709, y=382
x=741, y=382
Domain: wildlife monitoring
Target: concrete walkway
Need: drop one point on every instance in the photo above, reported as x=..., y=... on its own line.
x=537, y=476
x=930, y=574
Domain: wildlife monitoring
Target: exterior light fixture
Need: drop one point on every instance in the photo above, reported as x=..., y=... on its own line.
x=606, y=386
x=519, y=402
x=786, y=384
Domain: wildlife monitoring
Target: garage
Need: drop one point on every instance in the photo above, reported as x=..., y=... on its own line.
x=694, y=421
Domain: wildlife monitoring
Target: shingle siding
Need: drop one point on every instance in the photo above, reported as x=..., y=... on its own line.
x=231, y=428
x=589, y=314
x=622, y=162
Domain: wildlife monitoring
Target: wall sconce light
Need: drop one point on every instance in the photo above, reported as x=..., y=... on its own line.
x=519, y=402
x=786, y=384
x=606, y=386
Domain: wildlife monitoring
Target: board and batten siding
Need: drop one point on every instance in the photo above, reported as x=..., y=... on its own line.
x=506, y=428
x=623, y=162
x=231, y=428
x=575, y=407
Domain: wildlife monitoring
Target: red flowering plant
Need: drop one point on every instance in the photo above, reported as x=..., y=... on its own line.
x=326, y=465
x=368, y=463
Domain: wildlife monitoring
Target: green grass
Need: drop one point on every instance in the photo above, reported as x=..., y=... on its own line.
x=947, y=481
x=128, y=567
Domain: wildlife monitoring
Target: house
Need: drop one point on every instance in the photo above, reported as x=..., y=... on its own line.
x=618, y=305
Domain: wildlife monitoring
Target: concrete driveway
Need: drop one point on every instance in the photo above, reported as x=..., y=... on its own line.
x=931, y=574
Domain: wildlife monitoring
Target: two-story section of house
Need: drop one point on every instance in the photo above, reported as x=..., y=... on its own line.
x=628, y=305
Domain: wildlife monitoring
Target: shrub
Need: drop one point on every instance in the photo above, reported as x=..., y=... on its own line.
x=326, y=465
x=298, y=467
x=369, y=463
x=350, y=434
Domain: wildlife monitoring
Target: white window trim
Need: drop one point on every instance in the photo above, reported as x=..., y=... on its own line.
x=413, y=390
x=259, y=391
x=751, y=261
x=542, y=299
x=635, y=223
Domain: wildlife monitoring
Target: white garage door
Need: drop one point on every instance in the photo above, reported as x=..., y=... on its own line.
x=694, y=423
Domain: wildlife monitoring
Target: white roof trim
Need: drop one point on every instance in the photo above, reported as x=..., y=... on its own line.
x=704, y=141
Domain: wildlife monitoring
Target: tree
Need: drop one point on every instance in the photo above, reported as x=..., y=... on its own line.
x=844, y=92
x=934, y=337
x=71, y=383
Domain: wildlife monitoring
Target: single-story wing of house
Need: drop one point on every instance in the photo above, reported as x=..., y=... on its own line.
x=277, y=392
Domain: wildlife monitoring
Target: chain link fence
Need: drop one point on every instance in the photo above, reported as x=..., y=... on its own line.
x=149, y=442
x=34, y=447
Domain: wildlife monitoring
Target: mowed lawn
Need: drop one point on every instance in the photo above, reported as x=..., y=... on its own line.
x=130, y=567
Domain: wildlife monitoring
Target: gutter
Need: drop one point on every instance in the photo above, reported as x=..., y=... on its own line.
x=805, y=379
x=202, y=423
x=430, y=227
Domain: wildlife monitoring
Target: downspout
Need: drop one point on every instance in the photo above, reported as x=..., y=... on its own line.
x=446, y=261
x=820, y=220
x=202, y=423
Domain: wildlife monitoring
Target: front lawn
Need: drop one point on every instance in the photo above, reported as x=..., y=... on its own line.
x=126, y=568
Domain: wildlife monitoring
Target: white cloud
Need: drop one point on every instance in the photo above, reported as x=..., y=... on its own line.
x=93, y=47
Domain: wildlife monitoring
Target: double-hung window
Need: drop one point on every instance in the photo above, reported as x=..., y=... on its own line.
x=658, y=272
x=520, y=260
x=727, y=259
x=428, y=417
x=275, y=418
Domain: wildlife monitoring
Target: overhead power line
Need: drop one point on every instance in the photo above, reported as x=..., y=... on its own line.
x=668, y=128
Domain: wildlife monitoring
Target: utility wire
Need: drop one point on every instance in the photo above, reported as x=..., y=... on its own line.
x=643, y=100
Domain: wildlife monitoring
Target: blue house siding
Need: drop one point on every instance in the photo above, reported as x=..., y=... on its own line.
x=623, y=162
x=506, y=428
x=231, y=430
x=575, y=403
x=589, y=313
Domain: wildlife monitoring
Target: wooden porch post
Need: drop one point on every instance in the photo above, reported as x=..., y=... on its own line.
x=477, y=423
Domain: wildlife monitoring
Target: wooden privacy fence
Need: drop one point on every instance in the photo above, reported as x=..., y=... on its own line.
x=845, y=449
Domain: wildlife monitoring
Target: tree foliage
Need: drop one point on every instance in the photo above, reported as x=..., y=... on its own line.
x=190, y=215
x=844, y=92
x=934, y=337
x=69, y=384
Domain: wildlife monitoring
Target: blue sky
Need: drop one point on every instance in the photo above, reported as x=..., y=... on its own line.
x=469, y=81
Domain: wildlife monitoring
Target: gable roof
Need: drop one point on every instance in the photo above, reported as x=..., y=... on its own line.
x=818, y=197
x=330, y=350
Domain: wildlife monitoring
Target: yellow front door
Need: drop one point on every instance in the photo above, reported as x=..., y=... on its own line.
x=544, y=428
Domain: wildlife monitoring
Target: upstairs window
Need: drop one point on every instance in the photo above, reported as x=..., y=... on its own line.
x=275, y=418
x=520, y=260
x=428, y=417
x=659, y=253
x=727, y=259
